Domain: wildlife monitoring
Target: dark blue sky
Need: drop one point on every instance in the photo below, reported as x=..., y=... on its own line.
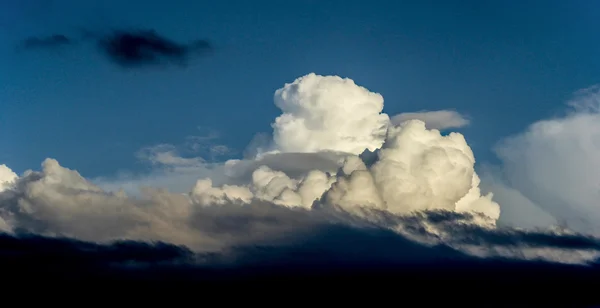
x=504, y=64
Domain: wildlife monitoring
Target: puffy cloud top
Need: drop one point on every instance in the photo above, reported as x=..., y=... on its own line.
x=328, y=113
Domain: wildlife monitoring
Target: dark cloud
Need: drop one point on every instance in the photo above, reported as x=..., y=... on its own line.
x=129, y=49
x=471, y=234
x=139, y=48
x=53, y=41
x=330, y=259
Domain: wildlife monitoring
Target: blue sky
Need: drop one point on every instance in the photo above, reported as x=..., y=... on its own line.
x=505, y=64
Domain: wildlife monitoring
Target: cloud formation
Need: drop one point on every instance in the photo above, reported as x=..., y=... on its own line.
x=147, y=47
x=129, y=48
x=328, y=113
x=7, y=179
x=335, y=161
x=440, y=119
x=554, y=164
x=336, y=255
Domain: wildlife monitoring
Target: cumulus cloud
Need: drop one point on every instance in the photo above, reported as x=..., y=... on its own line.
x=335, y=159
x=440, y=119
x=415, y=169
x=7, y=177
x=321, y=113
x=554, y=164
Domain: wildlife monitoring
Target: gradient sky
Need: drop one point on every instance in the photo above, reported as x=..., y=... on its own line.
x=504, y=64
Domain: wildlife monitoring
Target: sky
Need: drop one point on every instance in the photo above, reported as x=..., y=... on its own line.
x=470, y=124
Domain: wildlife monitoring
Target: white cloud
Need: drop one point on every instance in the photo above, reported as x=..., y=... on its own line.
x=517, y=210
x=328, y=113
x=440, y=119
x=416, y=168
x=555, y=164
x=7, y=177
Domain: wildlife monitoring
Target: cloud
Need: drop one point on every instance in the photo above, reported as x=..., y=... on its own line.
x=7, y=179
x=175, y=167
x=166, y=155
x=335, y=254
x=322, y=113
x=206, y=145
x=554, y=164
x=517, y=210
x=53, y=41
x=414, y=169
x=129, y=48
x=440, y=119
x=174, y=179
x=336, y=166
x=146, y=47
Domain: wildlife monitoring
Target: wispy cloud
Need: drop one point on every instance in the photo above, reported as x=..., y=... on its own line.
x=554, y=165
x=440, y=119
x=52, y=41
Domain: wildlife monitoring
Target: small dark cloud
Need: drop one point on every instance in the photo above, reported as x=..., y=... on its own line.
x=139, y=48
x=52, y=41
x=128, y=49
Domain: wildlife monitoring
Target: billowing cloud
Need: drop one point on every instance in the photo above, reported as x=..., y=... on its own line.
x=415, y=168
x=555, y=164
x=7, y=177
x=440, y=119
x=335, y=161
x=323, y=113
